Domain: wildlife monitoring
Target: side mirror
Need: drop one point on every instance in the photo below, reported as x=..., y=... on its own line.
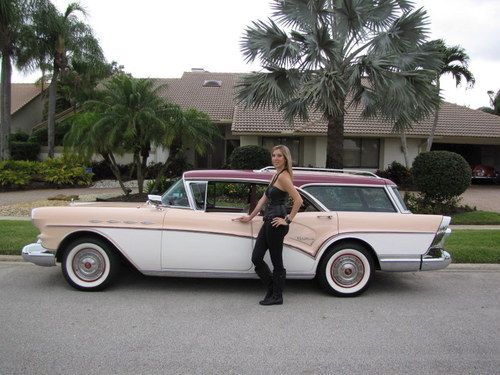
x=154, y=199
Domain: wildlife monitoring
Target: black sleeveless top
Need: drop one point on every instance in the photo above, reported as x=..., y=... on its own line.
x=277, y=200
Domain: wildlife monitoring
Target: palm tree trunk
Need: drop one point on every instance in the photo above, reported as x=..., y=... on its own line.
x=109, y=159
x=404, y=148
x=144, y=155
x=335, y=142
x=434, y=124
x=138, y=165
x=5, y=106
x=174, y=149
x=51, y=121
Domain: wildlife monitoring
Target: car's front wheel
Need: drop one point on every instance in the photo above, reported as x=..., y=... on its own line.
x=346, y=270
x=89, y=264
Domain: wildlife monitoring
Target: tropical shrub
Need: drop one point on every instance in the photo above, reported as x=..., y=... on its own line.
x=39, y=136
x=60, y=172
x=399, y=174
x=441, y=177
x=24, y=150
x=250, y=157
x=16, y=173
x=21, y=148
x=53, y=172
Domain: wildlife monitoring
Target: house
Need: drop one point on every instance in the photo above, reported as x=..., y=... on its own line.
x=26, y=107
x=368, y=144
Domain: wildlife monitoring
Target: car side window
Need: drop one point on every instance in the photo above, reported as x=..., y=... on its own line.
x=352, y=198
x=228, y=196
x=198, y=191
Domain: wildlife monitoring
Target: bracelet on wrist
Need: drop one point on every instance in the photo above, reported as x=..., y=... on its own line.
x=287, y=220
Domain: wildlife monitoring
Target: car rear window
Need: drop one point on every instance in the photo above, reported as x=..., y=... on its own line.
x=352, y=198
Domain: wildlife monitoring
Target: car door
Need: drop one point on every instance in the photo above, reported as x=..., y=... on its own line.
x=310, y=228
x=203, y=236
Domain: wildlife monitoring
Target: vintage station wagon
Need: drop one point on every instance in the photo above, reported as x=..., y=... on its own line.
x=349, y=226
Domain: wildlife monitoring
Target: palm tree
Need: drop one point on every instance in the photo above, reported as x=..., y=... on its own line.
x=330, y=55
x=86, y=139
x=60, y=39
x=130, y=116
x=455, y=61
x=495, y=103
x=12, y=20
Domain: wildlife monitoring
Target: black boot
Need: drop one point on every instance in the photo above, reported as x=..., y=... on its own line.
x=276, y=298
x=265, y=275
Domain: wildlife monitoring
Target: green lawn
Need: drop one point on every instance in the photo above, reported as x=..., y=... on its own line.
x=465, y=245
x=474, y=246
x=476, y=218
x=14, y=234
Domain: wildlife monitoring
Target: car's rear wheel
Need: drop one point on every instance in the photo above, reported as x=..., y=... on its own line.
x=346, y=270
x=89, y=264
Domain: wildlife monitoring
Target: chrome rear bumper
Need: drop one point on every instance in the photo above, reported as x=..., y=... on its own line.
x=435, y=260
x=37, y=254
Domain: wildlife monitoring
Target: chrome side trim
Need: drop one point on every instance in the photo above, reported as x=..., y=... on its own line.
x=400, y=264
x=219, y=274
x=37, y=254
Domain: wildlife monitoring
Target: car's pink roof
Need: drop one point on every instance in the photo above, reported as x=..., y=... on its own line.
x=300, y=178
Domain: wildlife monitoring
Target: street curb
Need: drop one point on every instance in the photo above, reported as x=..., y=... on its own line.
x=11, y=258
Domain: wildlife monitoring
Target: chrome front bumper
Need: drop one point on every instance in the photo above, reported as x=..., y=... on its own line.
x=37, y=254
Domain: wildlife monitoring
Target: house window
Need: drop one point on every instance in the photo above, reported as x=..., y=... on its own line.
x=292, y=143
x=361, y=152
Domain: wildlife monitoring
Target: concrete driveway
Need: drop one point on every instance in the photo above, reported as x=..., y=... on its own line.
x=483, y=197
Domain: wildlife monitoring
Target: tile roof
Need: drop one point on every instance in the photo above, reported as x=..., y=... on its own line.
x=219, y=104
x=454, y=120
x=21, y=94
x=188, y=92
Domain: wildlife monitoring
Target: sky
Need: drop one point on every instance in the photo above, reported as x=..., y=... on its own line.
x=164, y=38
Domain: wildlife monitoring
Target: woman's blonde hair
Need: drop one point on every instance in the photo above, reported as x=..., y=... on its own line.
x=288, y=157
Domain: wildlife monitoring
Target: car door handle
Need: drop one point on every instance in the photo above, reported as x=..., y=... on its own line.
x=327, y=217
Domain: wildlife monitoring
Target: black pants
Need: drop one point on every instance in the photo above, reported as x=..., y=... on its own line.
x=270, y=238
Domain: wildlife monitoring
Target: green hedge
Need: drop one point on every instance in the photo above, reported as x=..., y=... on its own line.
x=441, y=175
x=250, y=157
x=52, y=172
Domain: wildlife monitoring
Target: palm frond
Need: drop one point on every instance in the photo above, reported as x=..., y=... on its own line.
x=305, y=15
x=270, y=89
x=269, y=43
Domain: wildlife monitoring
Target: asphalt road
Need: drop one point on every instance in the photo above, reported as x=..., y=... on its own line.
x=442, y=322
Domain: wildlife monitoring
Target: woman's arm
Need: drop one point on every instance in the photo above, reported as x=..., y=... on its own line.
x=244, y=219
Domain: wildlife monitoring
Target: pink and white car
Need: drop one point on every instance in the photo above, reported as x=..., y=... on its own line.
x=349, y=226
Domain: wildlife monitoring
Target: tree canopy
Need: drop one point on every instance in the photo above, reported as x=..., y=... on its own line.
x=454, y=62
x=329, y=55
x=130, y=116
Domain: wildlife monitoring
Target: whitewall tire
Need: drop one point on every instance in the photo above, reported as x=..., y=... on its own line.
x=346, y=270
x=89, y=264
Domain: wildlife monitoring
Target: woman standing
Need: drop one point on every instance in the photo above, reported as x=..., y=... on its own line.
x=275, y=226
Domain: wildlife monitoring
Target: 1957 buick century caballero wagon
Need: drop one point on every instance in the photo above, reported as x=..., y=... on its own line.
x=348, y=226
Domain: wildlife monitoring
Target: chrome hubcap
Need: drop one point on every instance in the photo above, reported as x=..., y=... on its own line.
x=89, y=265
x=347, y=271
